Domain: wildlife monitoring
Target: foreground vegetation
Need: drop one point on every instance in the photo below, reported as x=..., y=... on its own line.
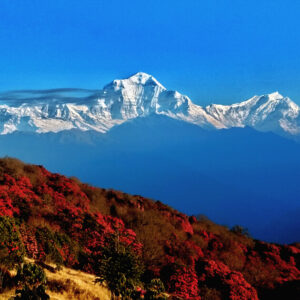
x=136, y=247
x=65, y=284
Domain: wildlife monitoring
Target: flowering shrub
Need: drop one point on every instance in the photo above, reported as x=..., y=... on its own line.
x=182, y=281
x=232, y=284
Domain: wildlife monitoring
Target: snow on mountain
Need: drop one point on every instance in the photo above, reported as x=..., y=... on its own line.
x=138, y=96
x=272, y=112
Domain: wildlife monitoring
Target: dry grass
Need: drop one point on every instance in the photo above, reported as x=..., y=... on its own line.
x=76, y=285
x=70, y=284
x=6, y=295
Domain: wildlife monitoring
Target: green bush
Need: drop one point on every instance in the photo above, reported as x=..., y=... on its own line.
x=32, y=280
x=11, y=247
x=155, y=290
x=50, y=242
x=26, y=293
x=120, y=268
x=31, y=275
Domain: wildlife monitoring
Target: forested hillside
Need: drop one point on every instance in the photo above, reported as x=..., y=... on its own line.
x=137, y=247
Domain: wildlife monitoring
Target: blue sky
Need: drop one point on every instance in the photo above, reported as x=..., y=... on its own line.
x=213, y=51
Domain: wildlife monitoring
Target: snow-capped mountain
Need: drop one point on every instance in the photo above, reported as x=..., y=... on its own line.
x=273, y=113
x=140, y=95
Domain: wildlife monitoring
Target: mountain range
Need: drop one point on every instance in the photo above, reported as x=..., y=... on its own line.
x=140, y=95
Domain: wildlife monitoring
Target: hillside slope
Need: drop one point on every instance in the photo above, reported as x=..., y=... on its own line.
x=54, y=219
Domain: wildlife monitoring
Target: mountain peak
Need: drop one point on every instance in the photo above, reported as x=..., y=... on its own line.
x=275, y=96
x=139, y=78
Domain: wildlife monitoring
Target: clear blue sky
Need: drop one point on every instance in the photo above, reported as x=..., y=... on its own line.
x=213, y=51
